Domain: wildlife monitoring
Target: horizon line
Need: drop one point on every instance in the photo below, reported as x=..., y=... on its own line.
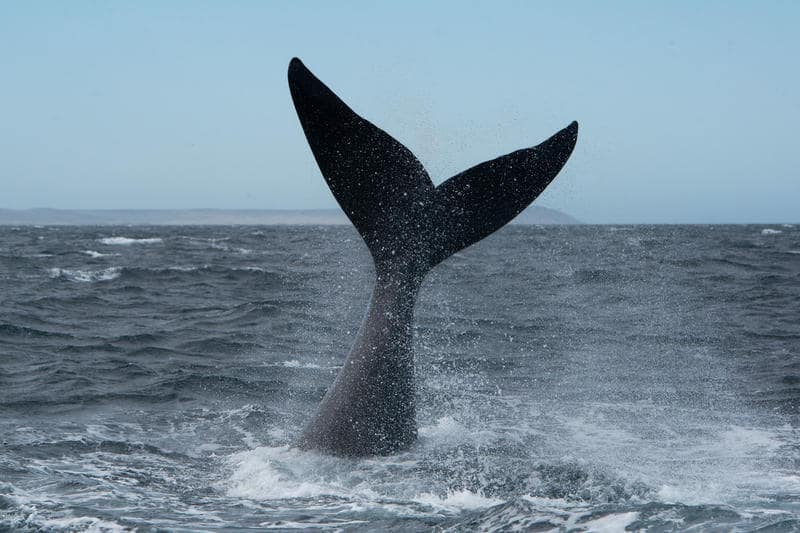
x=334, y=211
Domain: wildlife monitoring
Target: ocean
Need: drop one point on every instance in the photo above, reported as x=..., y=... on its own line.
x=570, y=378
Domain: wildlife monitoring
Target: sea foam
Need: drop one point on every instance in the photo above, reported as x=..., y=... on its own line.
x=126, y=241
x=459, y=500
x=97, y=255
x=86, y=276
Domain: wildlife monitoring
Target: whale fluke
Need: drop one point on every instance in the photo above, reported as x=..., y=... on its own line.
x=409, y=226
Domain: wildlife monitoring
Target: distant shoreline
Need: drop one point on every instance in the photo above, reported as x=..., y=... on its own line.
x=534, y=215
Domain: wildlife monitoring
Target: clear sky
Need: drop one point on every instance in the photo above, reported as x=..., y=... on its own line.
x=689, y=110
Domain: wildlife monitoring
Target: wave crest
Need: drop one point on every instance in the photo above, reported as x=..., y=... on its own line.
x=126, y=241
x=86, y=276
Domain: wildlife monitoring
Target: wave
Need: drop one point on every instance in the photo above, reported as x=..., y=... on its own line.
x=208, y=268
x=329, y=485
x=97, y=255
x=234, y=249
x=134, y=273
x=294, y=363
x=458, y=500
x=217, y=244
x=86, y=276
x=125, y=241
x=323, y=481
x=12, y=330
x=29, y=518
x=530, y=513
x=770, y=231
x=243, y=272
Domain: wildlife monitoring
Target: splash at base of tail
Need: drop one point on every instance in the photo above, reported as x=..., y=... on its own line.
x=409, y=226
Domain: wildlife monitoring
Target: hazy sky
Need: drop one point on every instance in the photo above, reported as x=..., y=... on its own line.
x=688, y=110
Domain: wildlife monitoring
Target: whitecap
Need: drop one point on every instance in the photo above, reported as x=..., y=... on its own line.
x=294, y=363
x=125, y=241
x=283, y=524
x=217, y=243
x=611, y=523
x=276, y=473
x=226, y=248
x=86, y=276
x=459, y=500
x=96, y=255
x=78, y=523
x=770, y=231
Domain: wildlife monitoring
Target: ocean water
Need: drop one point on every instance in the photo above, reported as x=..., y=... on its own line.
x=570, y=378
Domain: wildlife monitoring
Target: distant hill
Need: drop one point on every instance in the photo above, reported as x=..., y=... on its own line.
x=535, y=215
x=183, y=217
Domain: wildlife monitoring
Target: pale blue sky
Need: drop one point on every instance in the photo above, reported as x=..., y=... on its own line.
x=688, y=110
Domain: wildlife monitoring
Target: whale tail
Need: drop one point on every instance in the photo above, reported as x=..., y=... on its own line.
x=409, y=226
x=388, y=195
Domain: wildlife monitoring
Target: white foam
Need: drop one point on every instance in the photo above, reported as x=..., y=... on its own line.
x=549, y=503
x=278, y=473
x=611, y=523
x=447, y=431
x=83, y=523
x=86, y=276
x=97, y=255
x=294, y=363
x=337, y=485
x=226, y=248
x=281, y=524
x=746, y=440
x=695, y=463
x=565, y=515
x=125, y=241
x=218, y=244
x=460, y=500
x=184, y=268
x=770, y=231
x=444, y=428
x=31, y=517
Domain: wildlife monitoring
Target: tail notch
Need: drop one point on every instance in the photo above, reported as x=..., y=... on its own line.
x=388, y=195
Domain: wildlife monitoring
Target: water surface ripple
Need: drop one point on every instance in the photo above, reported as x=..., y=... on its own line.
x=571, y=378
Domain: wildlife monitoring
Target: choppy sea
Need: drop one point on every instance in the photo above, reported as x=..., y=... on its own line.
x=570, y=378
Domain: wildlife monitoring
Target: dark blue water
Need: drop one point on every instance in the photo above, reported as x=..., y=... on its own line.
x=570, y=378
